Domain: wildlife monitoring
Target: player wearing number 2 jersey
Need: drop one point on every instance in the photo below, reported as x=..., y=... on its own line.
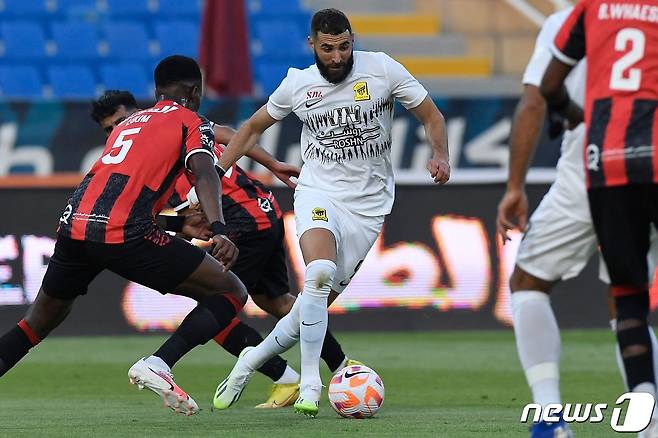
x=110, y=224
x=620, y=40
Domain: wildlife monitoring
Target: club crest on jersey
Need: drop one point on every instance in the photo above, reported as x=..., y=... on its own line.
x=593, y=157
x=319, y=214
x=361, y=91
x=313, y=97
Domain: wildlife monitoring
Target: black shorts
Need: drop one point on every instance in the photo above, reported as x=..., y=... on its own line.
x=261, y=263
x=75, y=263
x=622, y=219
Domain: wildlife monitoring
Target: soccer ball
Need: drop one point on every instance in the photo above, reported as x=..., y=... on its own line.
x=356, y=391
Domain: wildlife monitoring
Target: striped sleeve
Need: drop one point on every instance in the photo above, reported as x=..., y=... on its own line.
x=569, y=43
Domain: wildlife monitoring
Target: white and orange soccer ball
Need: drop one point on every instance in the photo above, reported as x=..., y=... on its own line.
x=356, y=391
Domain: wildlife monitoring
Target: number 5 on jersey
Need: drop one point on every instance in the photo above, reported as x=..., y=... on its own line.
x=121, y=143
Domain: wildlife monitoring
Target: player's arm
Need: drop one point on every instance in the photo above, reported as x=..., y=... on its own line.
x=526, y=128
x=245, y=139
x=208, y=189
x=556, y=94
x=283, y=171
x=435, y=129
x=194, y=225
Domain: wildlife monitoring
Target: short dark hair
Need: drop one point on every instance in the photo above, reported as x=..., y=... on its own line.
x=331, y=21
x=109, y=103
x=176, y=68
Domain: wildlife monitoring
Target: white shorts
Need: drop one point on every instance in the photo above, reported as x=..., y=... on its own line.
x=557, y=247
x=355, y=234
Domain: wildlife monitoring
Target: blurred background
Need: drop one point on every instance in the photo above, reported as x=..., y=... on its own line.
x=438, y=264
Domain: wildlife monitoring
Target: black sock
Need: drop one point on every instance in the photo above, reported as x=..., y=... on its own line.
x=14, y=345
x=242, y=336
x=204, y=321
x=332, y=353
x=639, y=367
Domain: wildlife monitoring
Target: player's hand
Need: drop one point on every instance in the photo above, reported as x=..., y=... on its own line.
x=284, y=172
x=196, y=226
x=512, y=213
x=224, y=251
x=439, y=169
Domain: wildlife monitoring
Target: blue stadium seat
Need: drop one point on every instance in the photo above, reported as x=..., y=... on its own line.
x=127, y=40
x=178, y=38
x=72, y=81
x=128, y=8
x=24, y=8
x=179, y=8
x=75, y=40
x=278, y=7
x=131, y=77
x=279, y=39
x=23, y=40
x=20, y=82
x=268, y=76
x=75, y=8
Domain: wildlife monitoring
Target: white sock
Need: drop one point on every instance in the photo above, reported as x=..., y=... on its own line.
x=313, y=317
x=620, y=360
x=289, y=376
x=284, y=335
x=157, y=362
x=538, y=344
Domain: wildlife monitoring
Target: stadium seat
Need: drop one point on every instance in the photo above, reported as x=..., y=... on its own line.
x=178, y=37
x=127, y=40
x=20, y=82
x=23, y=40
x=128, y=8
x=24, y=8
x=178, y=8
x=75, y=40
x=131, y=77
x=72, y=82
x=279, y=39
x=76, y=8
x=278, y=7
x=268, y=76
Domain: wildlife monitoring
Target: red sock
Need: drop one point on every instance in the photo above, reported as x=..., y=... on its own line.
x=34, y=339
x=221, y=336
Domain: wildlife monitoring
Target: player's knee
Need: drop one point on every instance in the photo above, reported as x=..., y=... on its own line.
x=319, y=277
x=281, y=306
x=521, y=280
x=238, y=290
x=632, y=329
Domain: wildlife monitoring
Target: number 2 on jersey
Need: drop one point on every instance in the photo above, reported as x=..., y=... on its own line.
x=121, y=143
x=630, y=82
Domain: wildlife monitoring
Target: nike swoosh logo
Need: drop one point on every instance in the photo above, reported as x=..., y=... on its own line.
x=349, y=375
x=277, y=341
x=344, y=282
x=310, y=104
x=171, y=387
x=308, y=325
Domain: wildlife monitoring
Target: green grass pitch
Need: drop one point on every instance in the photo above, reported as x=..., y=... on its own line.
x=439, y=384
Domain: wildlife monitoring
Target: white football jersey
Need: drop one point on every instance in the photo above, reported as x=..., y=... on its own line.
x=569, y=184
x=346, y=133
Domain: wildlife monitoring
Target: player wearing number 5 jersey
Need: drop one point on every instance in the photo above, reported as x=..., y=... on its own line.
x=620, y=40
x=346, y=185
x=109, y=223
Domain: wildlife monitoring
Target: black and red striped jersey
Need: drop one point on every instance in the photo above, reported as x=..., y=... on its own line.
x=132, y=180
x=248, y=205
x=620, y=40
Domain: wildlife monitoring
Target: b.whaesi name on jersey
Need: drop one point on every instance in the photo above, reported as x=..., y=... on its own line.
x=628, y=11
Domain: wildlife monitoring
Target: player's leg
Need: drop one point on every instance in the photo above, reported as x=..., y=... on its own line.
x=554, y=247
x=68, y=275
x=172, y=265
x=622, y=223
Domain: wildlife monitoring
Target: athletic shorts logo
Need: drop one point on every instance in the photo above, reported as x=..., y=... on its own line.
x=361, y=91
x=319, y=214
x=593, y=157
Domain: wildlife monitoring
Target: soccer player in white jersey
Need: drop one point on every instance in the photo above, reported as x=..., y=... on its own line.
x=346, y=185
x=559, y=238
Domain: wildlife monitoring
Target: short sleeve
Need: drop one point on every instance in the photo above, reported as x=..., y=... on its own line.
x=279, y=105
x=569, y=43
x=404, y=87
x=199, y=137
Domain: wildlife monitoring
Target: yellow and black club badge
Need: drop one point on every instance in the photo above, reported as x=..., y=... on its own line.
x=361, y=91
x=319, y=214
